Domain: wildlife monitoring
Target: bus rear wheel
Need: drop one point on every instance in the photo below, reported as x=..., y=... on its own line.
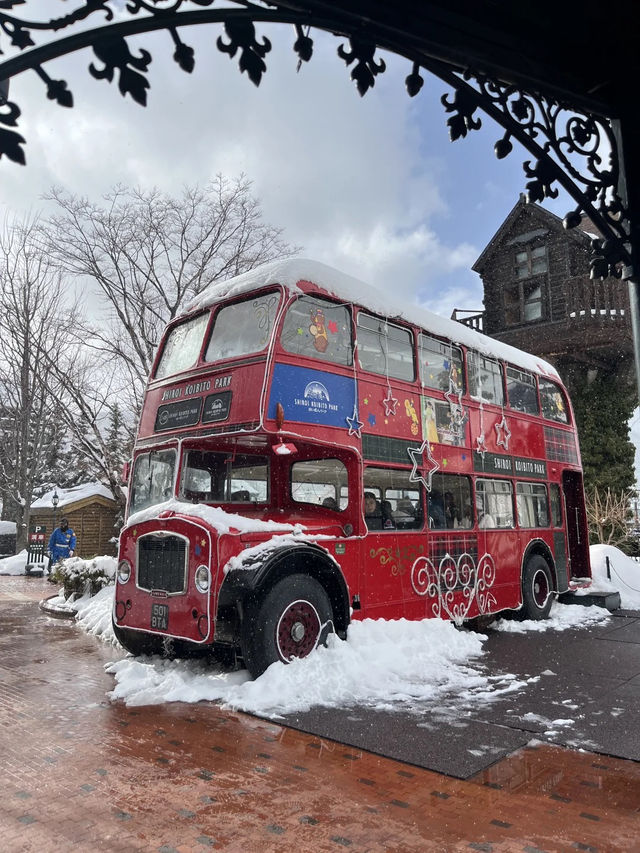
x=537, y=589
x=293, y=618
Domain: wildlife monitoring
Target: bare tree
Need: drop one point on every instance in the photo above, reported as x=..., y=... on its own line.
x=35, y=321
x=89, y=394
x=608, y=515
x=147, y=253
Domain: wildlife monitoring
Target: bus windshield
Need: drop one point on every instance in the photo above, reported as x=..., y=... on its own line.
x=224, y=477
x=182, y=347
x=243, y=328
x=152, y=481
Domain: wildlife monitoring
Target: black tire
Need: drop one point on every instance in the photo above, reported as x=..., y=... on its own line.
x=139, y=642
x=537, y=589
x=292, y=619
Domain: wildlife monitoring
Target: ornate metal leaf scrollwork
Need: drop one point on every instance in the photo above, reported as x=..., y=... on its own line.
x=242, y=34
x=576, y=151
x=366, y=68
x=565, y=145
x=115, y=53
x=11, y=142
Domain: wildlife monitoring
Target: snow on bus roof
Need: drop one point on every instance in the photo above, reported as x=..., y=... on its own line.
x=289, y=272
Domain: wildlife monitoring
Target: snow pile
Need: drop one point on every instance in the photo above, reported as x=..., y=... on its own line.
x=382, y=663
x=216, y=517
x=98, y=571
x=14, y=565
x=69, y=496
x=625, y=575
x=93, y=614
x=562, y=618
x=7, y=528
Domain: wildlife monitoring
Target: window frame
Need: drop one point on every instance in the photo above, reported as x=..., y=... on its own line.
x=519, y=380
x=213, y=499
x=450, y=348
x=173, y=449
x=220, y=309
x=544, y=397
x=405, y=330
x=532, y=253
x=410, y=486
x=318, y=355
x=338, y=497
x=526, y=489
x=168, y=335
x=487, y=509
x=483, y=361
x=440, y=477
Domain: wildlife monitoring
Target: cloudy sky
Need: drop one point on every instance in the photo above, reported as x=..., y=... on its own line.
x=371, y=185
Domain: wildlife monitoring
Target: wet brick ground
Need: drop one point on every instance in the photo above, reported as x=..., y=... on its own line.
x=80, y=773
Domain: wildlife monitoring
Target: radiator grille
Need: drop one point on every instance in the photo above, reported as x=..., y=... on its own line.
x=161, y=563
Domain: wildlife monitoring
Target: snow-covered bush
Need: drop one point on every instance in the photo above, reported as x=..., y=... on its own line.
x=79, y=576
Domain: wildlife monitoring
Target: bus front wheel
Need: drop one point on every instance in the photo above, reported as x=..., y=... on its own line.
x=537, y=589
x=292, y=619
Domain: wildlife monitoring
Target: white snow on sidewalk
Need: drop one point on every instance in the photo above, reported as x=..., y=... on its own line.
x=383, y=664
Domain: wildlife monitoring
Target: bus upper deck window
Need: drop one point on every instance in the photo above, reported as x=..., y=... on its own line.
x=485, y=379
x=521, y=390
x=182, y=347
x=385, y=348
x=319, y=329
x=554, y=406
x=440, y=364
x=242, y=327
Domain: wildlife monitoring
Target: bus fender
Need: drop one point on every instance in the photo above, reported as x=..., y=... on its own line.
x=241, y=585
x=539, y=546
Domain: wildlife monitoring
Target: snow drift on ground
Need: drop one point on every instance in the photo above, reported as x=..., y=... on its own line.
x=14, y=565
x=625, y=575
x=383, y=664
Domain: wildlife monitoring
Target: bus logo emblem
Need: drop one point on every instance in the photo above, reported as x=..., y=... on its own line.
x=316, y=391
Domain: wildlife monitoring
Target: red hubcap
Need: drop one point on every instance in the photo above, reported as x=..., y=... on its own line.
x=298, y=630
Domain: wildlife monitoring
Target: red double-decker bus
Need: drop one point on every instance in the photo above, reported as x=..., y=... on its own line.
x=310, y=452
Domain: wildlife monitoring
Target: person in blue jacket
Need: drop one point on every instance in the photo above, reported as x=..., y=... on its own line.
x=62, y=543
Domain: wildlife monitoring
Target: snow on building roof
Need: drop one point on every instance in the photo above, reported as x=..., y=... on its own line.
x=73, y=495
x=290, y=272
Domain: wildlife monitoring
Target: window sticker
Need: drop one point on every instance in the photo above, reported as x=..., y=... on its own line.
x=440, y=425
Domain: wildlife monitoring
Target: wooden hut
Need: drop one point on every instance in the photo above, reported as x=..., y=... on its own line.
x=91, y=511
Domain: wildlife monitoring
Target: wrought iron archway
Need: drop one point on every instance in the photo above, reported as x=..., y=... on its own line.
x=580, y=151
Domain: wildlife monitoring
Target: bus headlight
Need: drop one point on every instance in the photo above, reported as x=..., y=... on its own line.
x=203, y=578
x=124, y=571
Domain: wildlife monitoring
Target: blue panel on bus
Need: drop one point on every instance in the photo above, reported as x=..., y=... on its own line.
x=312, y=396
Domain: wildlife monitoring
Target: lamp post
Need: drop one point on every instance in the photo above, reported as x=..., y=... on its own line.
x=55, y=500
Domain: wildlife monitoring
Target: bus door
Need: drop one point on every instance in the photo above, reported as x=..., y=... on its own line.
x=395, y=539
x=576, y=521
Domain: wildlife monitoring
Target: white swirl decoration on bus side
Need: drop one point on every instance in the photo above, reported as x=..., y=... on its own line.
x=455, y=583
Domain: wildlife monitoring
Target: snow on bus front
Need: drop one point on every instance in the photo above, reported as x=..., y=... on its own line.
x=170, y=568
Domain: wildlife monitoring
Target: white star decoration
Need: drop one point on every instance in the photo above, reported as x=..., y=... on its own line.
x=454, y=396
x=389, y=403
x=482, y=447
x=355, y=424
x=503, y=433
x=415, y=454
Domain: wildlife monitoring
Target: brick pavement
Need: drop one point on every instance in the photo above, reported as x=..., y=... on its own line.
x=80, y=773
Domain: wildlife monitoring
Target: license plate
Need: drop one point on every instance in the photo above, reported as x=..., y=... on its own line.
x=160, y=617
